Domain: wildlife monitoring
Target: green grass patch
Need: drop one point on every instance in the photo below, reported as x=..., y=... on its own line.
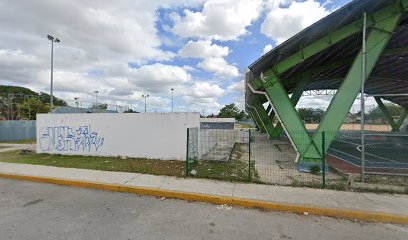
x=243, y=125
x=135, y=165
x=235, y=169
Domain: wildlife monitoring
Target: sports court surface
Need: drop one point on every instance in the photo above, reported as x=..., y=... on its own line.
x=385, y=152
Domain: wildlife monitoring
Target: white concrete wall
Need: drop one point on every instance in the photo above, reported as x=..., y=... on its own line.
x=146, y=135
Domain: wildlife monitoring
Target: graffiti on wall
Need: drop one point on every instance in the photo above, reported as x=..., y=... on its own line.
x=66, y=138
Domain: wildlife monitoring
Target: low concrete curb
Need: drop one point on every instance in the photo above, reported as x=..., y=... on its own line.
x=214, y=199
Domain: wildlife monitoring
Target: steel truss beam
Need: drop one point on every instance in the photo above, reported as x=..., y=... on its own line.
x=395, y=126
x=252, y=111
x=266, y=120
x=337, y=36
x=325, y=92
x=297, y=93
x=382, y=25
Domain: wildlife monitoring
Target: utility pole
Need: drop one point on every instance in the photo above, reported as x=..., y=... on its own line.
x=76, y=101
x=172, y=105
x=145, y=99
x=96, y=98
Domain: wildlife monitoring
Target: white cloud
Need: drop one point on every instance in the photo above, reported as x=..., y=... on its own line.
x=267, y=48
x=205, y=90
x=189, y=68
x=203, y=96
x=96, y=36
x=219, y=66
x=237, y=87
x=19, y=66
x=212, y=55
x=203, y=49
x=219, y=20
x=284, y=22
x=117, y=49
x=158, y=77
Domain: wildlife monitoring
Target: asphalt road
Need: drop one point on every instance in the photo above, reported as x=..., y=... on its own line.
x=43, y=211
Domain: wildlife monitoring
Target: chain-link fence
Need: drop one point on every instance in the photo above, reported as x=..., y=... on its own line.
x=248, y=155
x=219, y=154
x=370, y=156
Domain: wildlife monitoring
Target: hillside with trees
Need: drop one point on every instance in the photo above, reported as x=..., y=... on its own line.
x=22, y=103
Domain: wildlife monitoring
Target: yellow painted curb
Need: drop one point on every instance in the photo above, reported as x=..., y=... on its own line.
x=282, y=207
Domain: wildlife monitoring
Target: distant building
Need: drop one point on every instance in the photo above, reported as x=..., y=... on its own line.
x=217, y=123
x=62, y=110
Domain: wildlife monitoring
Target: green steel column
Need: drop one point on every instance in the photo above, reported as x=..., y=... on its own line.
x=395, y=126
x=402, y=118
x=297, y=93
x=268, y=109
x=266, y=120
x=256, y=118
x=340, y=105
x=387, y=114
x=187, y=153
x=289, y=116
x=249, y=155
x=385, y=22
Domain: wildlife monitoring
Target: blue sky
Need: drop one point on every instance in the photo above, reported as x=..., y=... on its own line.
x=129, y=48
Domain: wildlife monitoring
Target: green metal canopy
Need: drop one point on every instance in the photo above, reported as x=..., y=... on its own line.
x=327, y=55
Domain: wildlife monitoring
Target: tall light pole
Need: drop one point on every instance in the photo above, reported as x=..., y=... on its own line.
x=52, y=39
x=362, y=108
x=77, y=101
x=145, y=98
x=96, y=98
x=172, y=105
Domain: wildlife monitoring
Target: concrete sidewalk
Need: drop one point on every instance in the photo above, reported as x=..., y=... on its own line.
x=381, y=207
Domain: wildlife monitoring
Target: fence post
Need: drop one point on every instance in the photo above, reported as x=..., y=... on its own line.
x=188, y=140
x=249, y=155
x=324, y=158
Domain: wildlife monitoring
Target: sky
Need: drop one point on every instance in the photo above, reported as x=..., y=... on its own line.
x=129, y=48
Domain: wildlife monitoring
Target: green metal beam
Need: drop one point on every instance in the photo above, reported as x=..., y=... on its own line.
x=341, y=103
x=268, y=109
x=386, y=113
x=403, y=116
x=256, y=118
x=297, y=93
x=287, y=114
x=266, y=120
x=320, y=68
x=383, y=24
x=395, y=126
x=395, y=51
x=375, y=19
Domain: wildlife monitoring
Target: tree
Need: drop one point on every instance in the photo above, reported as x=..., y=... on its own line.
x=231, y=111
x=23, y=103
x=130, y=111
x=377, y=114
x=311, y=115
x=29, y=108
x=45, y=98
x=103, y=106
